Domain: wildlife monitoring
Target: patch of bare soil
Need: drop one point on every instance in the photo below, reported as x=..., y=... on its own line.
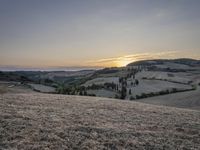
x=46, y=121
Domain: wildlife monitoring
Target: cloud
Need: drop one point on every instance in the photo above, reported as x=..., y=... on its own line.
x=124, y=60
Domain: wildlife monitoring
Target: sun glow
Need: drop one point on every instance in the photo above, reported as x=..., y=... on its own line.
x=123, y=62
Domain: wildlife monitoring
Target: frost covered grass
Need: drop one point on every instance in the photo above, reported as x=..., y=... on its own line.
x=47, y=121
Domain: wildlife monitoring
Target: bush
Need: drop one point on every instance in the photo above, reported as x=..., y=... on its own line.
x=144, y=95
x=60, y=89
x=132, y=98
x=117, y=96
x=137, y=97
x=174, y=90
x=164, y=92
x=91, y=95
x=136, y=81
x=80, y=93
x=152, y=94
x=85, y=93
x=112, y=85
x=194, y=87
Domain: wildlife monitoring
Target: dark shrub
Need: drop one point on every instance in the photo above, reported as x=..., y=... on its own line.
x=91, y=95
x=129, y=92
x=132, y=98
x=85, y=93
x=174, y=90
x=123, y=92
x=137, y=97
x=137, y=82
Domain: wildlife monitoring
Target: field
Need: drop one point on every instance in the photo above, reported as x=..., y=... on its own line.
x=47, y=121
x=101, y=80
x=102, y=93
x=159, y=83
x=13, y=87
x=42, y=88
x=180, y=77
x=148, y=86
x=189, y=99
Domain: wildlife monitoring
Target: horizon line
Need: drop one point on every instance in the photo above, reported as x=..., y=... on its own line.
x=70, y=68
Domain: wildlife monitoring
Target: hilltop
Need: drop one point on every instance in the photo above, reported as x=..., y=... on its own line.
x=183, y=61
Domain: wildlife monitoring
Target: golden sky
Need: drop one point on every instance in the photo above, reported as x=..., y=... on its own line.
x=126, y=59
x=98, y=33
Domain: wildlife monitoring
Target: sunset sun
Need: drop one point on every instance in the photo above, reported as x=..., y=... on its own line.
x=123, y=62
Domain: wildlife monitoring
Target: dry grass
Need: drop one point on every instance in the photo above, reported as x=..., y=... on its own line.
x=44, y=121
x=3, y=90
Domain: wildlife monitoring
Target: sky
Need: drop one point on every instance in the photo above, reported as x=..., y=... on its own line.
x=97, y=33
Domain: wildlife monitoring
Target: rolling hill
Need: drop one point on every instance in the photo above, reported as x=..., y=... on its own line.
x=49, y=121
x=180, y=61
x=189, y=99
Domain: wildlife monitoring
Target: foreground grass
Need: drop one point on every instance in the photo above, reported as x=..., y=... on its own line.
x=44, y=121
x=3, y=90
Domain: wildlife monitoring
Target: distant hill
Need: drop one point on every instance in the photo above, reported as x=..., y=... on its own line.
x=141, y=79
x=183, y=61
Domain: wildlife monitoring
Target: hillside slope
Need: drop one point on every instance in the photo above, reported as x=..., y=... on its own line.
x=174, y=63
x=189, y=99
x=39, y=121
